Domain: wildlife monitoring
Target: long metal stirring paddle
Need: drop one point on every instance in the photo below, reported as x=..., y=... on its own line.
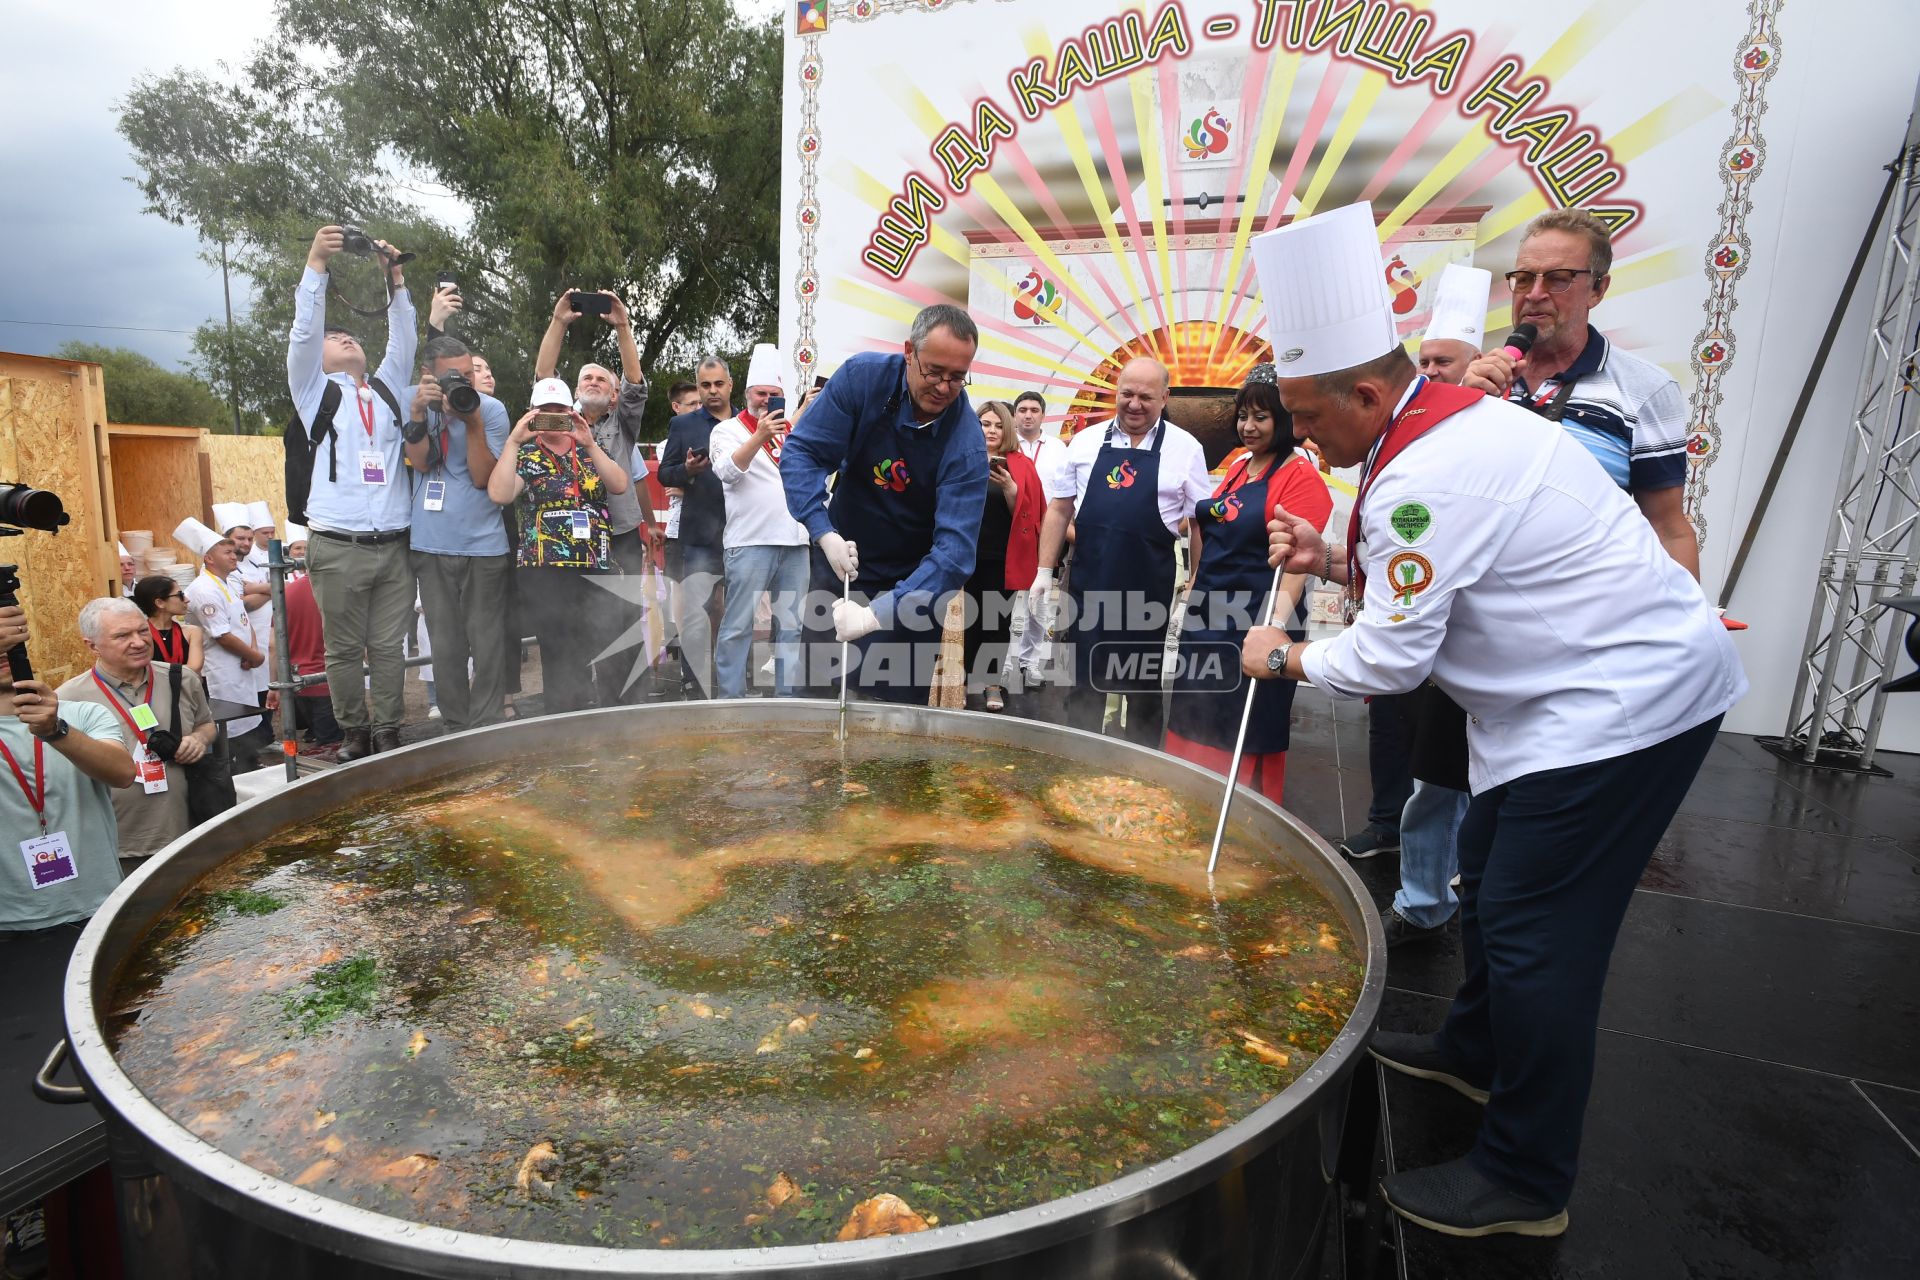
x=1240, y=742
x=846, y=596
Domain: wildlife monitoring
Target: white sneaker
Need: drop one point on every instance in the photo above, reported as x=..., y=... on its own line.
x=433, y=713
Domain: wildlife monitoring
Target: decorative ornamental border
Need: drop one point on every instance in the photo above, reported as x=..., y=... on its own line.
x=1756, y=59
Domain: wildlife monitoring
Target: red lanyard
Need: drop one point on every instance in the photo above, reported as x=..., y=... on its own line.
x=174, y=650
x=37, y=799
x=363, y=399
x=120, y=705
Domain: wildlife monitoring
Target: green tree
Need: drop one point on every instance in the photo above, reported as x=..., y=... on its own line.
x=619, y=144
x=143, y=392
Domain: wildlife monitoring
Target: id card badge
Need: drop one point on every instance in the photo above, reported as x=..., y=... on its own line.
x=435, y=498
x=373, y=469
x=582, y=526
x=151, y=770
x=49, y=860
x=143, y=718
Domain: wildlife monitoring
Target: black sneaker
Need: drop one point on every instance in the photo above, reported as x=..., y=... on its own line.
x=1421, y=1057
x=1456, y=1199
x=25, y=1249
x=1401, y=931
x=1369, y=841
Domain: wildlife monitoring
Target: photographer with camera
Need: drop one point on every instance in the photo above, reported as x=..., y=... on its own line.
x=163, y=708
x=557, y=478
x=55, y=806
x=614, y=411
x=359, y=501
x=454, y=436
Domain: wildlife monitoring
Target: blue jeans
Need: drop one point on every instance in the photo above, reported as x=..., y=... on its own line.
x=1429, y=854
x=750, y=571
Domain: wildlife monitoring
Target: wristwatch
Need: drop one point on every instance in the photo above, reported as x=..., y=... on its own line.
x=1277, y=660
x=60, y=731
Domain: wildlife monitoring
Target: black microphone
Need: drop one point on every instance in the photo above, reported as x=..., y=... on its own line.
x=1520, y=341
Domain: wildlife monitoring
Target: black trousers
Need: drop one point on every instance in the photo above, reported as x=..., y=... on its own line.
x=560, y=606
x=1548, y=865
x=1389, y=761
x=989, y=626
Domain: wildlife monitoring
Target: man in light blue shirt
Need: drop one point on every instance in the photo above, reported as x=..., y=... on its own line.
x=360, y=501
x=459, y=542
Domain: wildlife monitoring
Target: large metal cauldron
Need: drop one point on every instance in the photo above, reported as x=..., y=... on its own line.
x=1249, y=1201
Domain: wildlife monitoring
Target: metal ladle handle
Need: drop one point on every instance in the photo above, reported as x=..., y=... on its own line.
x=43, y=1086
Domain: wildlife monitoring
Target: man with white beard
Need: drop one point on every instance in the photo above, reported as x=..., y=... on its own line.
x=614, y=410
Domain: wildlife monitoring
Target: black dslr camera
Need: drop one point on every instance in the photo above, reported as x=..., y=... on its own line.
x=461, y=396
x=27, y=508
x=360, y=244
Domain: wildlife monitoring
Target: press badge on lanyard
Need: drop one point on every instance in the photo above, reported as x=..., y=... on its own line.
x=435, y=495
x=581, y=525
x=148, y=767
x=48, y=856
x=373, y=465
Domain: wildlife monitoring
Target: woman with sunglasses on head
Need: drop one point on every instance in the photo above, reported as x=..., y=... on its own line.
x=164, y=603
x=1229, y=586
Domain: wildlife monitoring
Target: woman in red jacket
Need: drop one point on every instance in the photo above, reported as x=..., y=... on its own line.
x=1008, y=555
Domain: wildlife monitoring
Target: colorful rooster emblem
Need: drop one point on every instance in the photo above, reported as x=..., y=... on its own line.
x=1121, y=477
x=1226, y=510
x=892, y=475
x=1208, y=136
x=1038, y=299
x=1405, y=288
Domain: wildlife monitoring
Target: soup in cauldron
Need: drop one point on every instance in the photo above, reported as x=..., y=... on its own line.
x=731, y=990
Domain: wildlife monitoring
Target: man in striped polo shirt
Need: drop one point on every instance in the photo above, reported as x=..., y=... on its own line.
x=1626, y=411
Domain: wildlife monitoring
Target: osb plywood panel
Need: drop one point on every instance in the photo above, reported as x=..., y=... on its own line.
x=156, y=483
x=249, y=469
x=52, y=416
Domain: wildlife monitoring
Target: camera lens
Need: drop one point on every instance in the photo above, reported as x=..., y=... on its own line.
x=462, y=398
x=31, y=508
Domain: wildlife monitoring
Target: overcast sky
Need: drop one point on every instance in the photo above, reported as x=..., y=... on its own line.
x=76, y=253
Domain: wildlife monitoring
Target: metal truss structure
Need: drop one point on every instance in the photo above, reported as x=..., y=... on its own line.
x=1873, y=543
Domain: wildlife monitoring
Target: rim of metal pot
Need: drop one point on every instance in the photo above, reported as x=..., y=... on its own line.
x=333, y=1224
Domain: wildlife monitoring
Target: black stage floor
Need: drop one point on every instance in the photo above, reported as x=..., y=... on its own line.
x=1756, y=1111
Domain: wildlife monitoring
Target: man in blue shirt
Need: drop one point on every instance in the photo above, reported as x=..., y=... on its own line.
x=360, y=500
x=459, y=545
x=903, y=521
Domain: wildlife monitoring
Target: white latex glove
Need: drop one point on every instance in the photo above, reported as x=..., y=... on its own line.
x=852, y=621
x=1040, y=612
x=841, y=554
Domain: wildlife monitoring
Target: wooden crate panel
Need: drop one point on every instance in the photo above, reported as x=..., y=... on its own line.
x=156, y=482
x=249, y=469
x=52, y=416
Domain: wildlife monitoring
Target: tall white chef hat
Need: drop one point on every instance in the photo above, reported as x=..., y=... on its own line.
x=766, y=368
x=1460, y=305
x=196, y=537
x=260, y=515
x=1326, y=295
x=294, y=533
x=124, y=553
x=228, y=516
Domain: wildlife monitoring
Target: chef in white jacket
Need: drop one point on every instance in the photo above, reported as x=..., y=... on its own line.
x=218, y=600
x=1489, y=550
x=254, y=571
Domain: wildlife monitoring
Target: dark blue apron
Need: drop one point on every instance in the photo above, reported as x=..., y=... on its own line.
x=884, y=502
x=1123, y=566
x=1209, y=691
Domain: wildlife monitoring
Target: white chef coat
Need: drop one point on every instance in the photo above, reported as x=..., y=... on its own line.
x=1551, y=612
x=1184, y=482
x=756, y=500
x=254, y=569
x=221, y=611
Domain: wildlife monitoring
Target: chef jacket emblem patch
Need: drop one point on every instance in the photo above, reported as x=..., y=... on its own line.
x=1411, y=523
x=1409, y=574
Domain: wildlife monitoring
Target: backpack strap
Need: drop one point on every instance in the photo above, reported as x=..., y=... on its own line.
x=322, y=427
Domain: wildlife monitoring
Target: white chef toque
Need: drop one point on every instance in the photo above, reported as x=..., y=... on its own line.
x=260, y=515
x=196, y=537
x=766, y=368
x=294, y=533
x=228, y=516
x=1459, y=311
x=1325, y=290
